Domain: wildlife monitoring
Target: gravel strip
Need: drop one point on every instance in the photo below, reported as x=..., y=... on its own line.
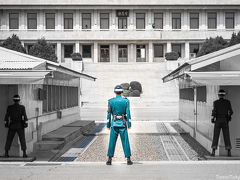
x=192, y=148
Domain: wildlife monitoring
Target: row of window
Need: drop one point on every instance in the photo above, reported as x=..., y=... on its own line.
x=59, y=97
x=122, y=21
x=123, y=51
x=188, y=94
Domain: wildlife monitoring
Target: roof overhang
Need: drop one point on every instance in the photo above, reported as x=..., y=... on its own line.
x=180, y=71
x=23, y=76
x=229, y=78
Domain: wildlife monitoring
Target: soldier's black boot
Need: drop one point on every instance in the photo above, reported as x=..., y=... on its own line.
x=213, y=152
x=24, y=154
x=229, y=153
x=6, y=155
x=129, y=162
x=109, y=161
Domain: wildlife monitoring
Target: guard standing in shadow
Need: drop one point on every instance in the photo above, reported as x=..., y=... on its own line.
x=221, y=116
x=118, y=109
x=16, y=121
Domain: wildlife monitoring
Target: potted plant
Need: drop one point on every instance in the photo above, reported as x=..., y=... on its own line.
x=76, y=57
x=172, y=56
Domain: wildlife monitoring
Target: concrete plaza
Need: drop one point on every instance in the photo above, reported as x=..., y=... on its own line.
x=187, y=170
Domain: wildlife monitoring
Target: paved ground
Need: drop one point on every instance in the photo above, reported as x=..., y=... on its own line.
x=149, y=141
x=181, y=170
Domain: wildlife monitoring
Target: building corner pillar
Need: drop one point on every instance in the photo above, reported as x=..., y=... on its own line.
x=95, y=53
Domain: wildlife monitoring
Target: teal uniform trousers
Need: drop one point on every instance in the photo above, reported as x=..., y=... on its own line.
x=118, y=106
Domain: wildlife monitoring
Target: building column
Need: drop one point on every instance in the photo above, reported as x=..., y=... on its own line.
x=40, y=22
x=185, y=20
x=150, y=51
x=168, y=20
x=22, y=20
x=113, y=20
x=149, y=20
x=169, y=47
x=59, y=52
x=220, y=20
x=95, y=52
x=59, y=21
x=95, y=20
x=77, y=48
x=187, y=50
x=76, y=24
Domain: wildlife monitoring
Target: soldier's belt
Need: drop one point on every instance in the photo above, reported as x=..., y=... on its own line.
x=116, y=118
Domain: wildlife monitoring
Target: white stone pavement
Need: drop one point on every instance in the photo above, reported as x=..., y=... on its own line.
x=188, y=170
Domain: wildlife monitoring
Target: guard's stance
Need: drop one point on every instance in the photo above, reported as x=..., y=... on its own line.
x=221, y=115
x=16, y=121
x=118, y=109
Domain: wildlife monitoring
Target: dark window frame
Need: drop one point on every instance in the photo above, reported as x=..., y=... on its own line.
x=13, y=26
x=158, y=18
x=121, y=24
x=85, y=55
x=139, y=47
x=180, y=52
x=176, y=20
x=103, y=18
x=68, y=21
x=162, y=51
x=68, y=54
x=86, y=19
x=230, y=18
x=211, y=18
x=139, y=19
x=31, y=19
x=123, y=48
x=194, y=18
x=47, y=19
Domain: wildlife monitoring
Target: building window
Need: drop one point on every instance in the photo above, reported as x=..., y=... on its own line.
x=158, y=50
x=59, y=97
x=176, y=20
x=32, y=20
x=86, y=21
x=104, y=21
x=140, y=21
x=194, y=48
x=141, y=53
x=194, y=20
x=122, y=53
x=104, y=53
x=68, y=50
x=13, y=21
x=86, y=51
x=50, y=20
x=212, y=20
x=158, y=20
x=229, y=20
x=177, y=48
x=122, y=23
x=68, y=21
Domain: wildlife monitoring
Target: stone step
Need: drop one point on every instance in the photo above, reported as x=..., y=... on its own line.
x=46, y=145
x=63, y=135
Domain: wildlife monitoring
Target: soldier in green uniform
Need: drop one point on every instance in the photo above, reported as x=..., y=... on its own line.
x=16, y=121
x=118, y=117
x=221, y=115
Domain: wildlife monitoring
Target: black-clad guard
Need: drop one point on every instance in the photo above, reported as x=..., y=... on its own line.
x=221, y=115
x=16, y=121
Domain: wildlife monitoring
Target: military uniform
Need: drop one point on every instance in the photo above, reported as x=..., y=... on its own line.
x=119, y=107
x=15, y=120
x=222, y=112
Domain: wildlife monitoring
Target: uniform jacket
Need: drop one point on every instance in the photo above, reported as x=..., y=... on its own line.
x=118, y=106
x=15, y=116
x=222, y=110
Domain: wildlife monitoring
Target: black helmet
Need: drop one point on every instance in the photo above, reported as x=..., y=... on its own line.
x=118, y=89
x=221, y=92
x=16, y=98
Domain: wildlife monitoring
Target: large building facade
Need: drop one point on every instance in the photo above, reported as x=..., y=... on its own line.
x=119, y=31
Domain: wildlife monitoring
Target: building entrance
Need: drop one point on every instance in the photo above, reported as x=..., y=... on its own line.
x=104, y=53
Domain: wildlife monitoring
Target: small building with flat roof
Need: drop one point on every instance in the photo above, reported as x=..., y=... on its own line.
x=199, y=82
x=50, y=93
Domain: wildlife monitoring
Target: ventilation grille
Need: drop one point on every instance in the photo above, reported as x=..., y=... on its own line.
x=237, y=143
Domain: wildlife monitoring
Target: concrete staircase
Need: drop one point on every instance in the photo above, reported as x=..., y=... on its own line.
x=158, y=101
